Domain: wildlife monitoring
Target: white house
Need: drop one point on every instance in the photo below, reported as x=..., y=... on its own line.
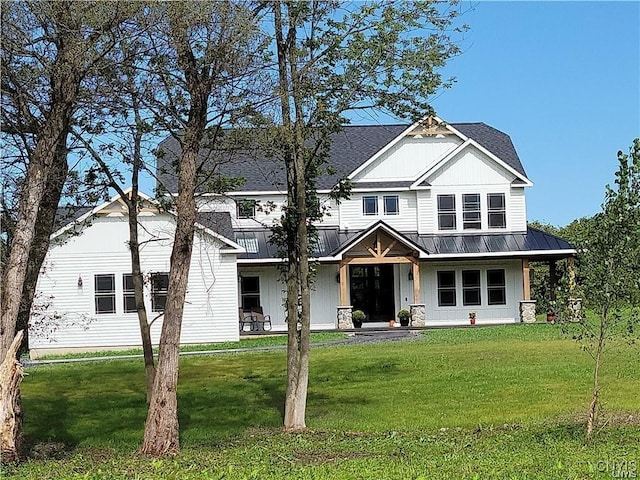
x=435, y=223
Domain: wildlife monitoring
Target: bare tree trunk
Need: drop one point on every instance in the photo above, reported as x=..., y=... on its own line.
x=44, y=227
x=592, y=413
x=11, y=374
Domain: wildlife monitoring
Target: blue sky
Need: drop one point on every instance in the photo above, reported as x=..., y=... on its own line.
x=563, y=80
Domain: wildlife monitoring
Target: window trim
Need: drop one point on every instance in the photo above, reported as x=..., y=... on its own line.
x=128, y=293
x=99, y=294
x=249, y=294
x=364, y=205
x=468, y=288
x=397, y=204
x=471, y=209
x=497, y=287
x=244, y=203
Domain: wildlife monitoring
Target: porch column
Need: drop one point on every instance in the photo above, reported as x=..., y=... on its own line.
x=418, y=314
x=415, y=266
x=528, y=311
x=526, y=280
x=553, y=280
x=343, y=282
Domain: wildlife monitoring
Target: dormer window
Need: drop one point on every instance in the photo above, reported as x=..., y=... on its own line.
x=496, y=210
x=370, y=205
x=446, y=212
x=246, y=208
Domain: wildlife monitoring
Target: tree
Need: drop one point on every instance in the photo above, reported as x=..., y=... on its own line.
x=48, y=49
x=609, y=255
x=214, y=46
x=333, y=58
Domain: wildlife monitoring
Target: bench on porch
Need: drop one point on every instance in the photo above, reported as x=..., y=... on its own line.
x=255, y=319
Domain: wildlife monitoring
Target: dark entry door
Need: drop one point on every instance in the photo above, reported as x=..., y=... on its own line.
x=372, y=291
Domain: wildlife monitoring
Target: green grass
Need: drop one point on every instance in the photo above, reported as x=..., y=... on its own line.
x=252, y=342
x=499, y=402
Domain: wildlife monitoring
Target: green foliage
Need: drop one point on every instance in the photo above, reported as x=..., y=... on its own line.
x=358, y=315
x=404, y=314
x=420, y=409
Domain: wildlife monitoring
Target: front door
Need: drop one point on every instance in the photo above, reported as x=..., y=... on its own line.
x=372, y=291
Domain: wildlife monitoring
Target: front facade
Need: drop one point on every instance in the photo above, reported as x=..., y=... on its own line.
x=435, y=224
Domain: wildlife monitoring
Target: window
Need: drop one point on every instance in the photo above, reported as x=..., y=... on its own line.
x=128, y=295
x=391, y=205
x=446, y=212
x=447, y=289
x=250, y=292
x=496, y=290
x=159, y=289
x=318, y=244
x=105, y=291
x=471, y=287
x=497, y=217
x=248, y=241
x=246, y=208
x=370, y=205
x=471, y=211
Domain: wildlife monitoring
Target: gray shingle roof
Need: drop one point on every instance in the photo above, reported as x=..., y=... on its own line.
x=349, y=149
x=219, y=222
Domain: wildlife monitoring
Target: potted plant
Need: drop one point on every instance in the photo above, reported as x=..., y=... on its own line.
x=358, y=317
x=472, y=318
x=551, y=316
x=404, y=316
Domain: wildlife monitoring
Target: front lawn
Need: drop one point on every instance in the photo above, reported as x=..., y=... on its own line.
x=491, y=402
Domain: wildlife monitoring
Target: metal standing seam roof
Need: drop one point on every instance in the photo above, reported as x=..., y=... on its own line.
x=350, y=148
x=533, y=241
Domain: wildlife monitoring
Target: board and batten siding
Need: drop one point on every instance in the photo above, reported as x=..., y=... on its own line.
x=210, y=313
x=459, y=315
x=325, y=295
x=408, y=158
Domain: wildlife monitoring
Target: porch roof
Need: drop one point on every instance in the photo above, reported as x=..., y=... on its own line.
x=333, y=243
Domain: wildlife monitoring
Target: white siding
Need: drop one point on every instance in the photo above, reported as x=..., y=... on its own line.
x=517, y=213
x=471, y=167
x=352, y=216
x=427, y=222
x=210, y=313
x=408, y=158
x=459, y=315
x=268, y=209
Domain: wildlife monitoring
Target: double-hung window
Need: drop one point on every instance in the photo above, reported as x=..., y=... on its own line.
x=159, y=289
x=471, y=214
x=128, y=294
x=249, y=292
x=446, y=212
x=105, y=293
x=246, y=208
x=370, y=205
x=496, y=287
x=497, y=216
x=471, y=287
x=391, y=205
x=447, y=288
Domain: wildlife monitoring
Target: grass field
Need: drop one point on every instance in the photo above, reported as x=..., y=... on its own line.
x=499, y=402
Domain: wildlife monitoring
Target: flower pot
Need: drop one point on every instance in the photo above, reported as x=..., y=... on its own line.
x=392, y=323
x=472, y=320
x=404, y=322
x=551, y=317
x=357, y=323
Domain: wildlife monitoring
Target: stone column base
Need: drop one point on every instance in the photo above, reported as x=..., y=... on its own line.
x=528, y=311
x=344, y=317
x=418, y=314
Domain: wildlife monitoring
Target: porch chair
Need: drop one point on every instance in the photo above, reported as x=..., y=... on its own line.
x=246, y=318
x=260, y=319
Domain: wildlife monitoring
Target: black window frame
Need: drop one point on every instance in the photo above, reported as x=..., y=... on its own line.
x=128, y=294
x=471, y=211
x=374, y=201
x=397, y=204
x=494, y=288
x=446, y=213
x=496, y=213
x=249, y=298
x=100, y=294
x=159, y=291
x=471, y=290
x=448, y=288
x=243, y=207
